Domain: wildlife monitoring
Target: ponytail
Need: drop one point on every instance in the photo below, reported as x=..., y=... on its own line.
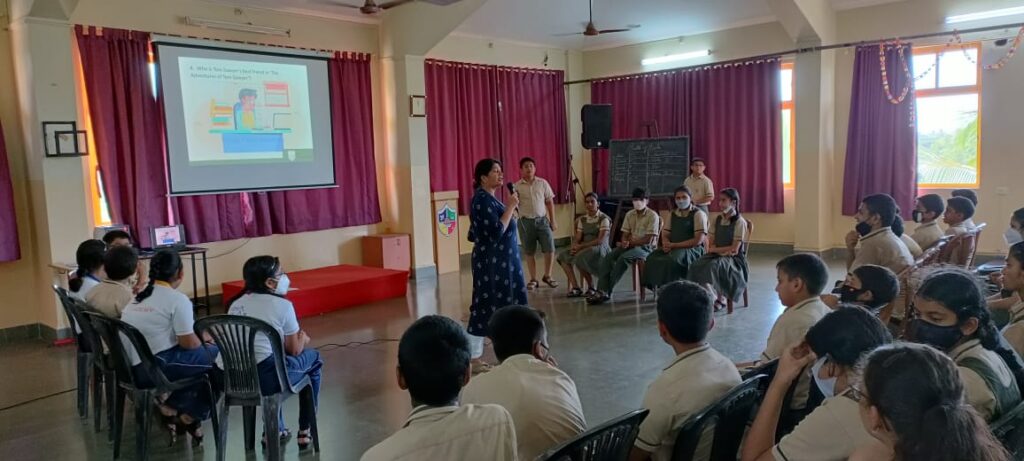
x=897, y=225
x=165, y=267
x=255, y=273
x=950, y=424
x=89, y=258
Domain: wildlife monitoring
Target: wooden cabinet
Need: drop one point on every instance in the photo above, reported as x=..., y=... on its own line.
x=388, y=251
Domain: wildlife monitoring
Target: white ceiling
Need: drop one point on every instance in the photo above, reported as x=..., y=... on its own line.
x=540, y=21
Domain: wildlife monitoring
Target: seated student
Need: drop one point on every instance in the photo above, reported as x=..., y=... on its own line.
x=952, y=317
x=900, y=231
x=871, y=287
x=1013, y=279
x=682, y=242
x=833, y=430
x=117, y=238
x=433, y=365
x=927, y=211
x=542, y=399
x=912, y=402
x=801, y=279
x=697, y=376
x=164, y=317
x=723, y=268
x=115, y=292
x=89, y=274
x=973, y=197
x=590, y=245
x=958, y=211
x=1007, y=298
x=639, y=238
x=266, y=284
x=873, y=241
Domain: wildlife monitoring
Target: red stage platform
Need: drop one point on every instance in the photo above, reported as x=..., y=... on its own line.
x=327, y=289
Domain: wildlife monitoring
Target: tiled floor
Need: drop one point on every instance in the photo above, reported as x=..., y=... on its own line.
x=611, y=351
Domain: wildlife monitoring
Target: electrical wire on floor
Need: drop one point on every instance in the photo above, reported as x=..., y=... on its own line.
x=333, y=346
x=16, y=405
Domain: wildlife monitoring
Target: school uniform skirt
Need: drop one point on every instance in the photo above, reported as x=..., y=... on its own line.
x=726, y=274
x=663, y=268
x=588, y=260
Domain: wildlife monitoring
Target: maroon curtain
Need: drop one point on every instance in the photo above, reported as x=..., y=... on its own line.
x=9, y=248
x=533, y=124
x=881, y=146
x=126, y=125
x=462, y=124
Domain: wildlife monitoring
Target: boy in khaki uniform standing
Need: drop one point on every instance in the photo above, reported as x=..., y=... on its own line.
x=536, y=221
x=701, y=188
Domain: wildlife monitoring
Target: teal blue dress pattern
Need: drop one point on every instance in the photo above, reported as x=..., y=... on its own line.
x=497, y=270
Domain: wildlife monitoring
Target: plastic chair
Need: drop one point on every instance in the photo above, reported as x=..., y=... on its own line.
x=114, y=334
x=962, y=249
x=611, y=441
x=744, y=246
x=789, y=417
x=728, y=416
x=236, y=336
x=1009, y=429
x=90, y=359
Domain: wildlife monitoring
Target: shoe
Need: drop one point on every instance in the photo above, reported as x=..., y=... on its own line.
x=599, y=298
x=549, y=282
x=575, y=293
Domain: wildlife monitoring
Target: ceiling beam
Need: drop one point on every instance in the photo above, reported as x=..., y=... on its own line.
x=808, y=22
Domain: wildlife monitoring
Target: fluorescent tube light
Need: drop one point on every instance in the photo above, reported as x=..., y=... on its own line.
x=675, y=57
x=985, y=15
x=237, y=26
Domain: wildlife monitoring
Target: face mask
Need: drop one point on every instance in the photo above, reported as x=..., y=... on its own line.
x=683, y=204
x=282, y=285
x=639, y=205
x=850, y=294
x=863, y=228
x=1012, y=236
x=917, y=215
x=942, y=338
x=826, y=385
x=727, y=210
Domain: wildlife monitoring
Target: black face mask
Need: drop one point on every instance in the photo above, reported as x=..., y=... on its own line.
x=917, y=215
x=863, y=228
x=942, y=338
x=848, y=294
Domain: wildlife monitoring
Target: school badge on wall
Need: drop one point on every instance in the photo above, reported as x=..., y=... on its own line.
x=447, y=220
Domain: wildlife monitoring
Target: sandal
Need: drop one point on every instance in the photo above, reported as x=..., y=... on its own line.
x=194, y=429
x=590, y=293
x=304, y=438
x=575, y=293
x=285, y=436
x=532, y=285
x=551, y=283
x=598, y=298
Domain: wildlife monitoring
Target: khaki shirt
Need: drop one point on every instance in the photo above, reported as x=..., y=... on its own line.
x=701, y=189
x=532, y=197
x=883, y=248
x=927, y=234
x=694, y=380
x=912, y=246
x=450, y=433
x=1014, y=331
x=978, y=393
x=790, y=328
x=110, y=297
x=700, y=220
x=542, y=400
x=958, y=229
x=603, y=219
x=639, y=223
x=830, y=433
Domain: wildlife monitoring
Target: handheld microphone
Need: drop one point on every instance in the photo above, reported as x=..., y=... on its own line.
x=511, y=188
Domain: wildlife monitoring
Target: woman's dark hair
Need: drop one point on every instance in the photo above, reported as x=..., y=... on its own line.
x=885, y=207
x=592, y=194
x=483, y=168
x=846, y=334
x=255, y=273
x=1018, y=216
x=89, y=258
x=678, y=190
x=733, y=195
x=958, y=291
x=164, y=267
x=918, y=391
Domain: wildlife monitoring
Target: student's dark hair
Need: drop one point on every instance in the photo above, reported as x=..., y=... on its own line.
x=640, y=193
x=255, y=273
x=523, y=161
x=116, y=234
x=880, y=281
x=807, y=267
x=685, y=308
x=933, y=203
x=846, y=334
x=961, y=205
x=1017, y=252
x=89, y=258
x=884, y=206
x=733, y=195
x=918, y=391
x=433, y=357
x=164, y=267
x=120, y=263
x=483, y=168
x=960, y=292
x=897, y=225
x=698, y=159
x=592, y=194
x=1018, y=216
x=514, y=329
x=967, y=194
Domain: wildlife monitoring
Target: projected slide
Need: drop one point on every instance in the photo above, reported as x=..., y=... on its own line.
x=239, y=111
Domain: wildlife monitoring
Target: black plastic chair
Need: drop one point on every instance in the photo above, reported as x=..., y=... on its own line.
x=114, y=333
x=725, y=421
x=1009, y=429
x=91, y=360
x=789, y=418
x=236, y=337
x=611, y=441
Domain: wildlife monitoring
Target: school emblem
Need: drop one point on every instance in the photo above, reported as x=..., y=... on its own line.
x=447, y=220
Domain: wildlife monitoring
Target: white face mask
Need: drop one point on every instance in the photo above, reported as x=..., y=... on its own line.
x=639, y=205
x=727, y=210
x=826, y=385
x=683, y=204
x=282, y=285
x=1012, y=236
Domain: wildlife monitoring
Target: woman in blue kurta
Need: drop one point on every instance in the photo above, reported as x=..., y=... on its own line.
x=497, y=271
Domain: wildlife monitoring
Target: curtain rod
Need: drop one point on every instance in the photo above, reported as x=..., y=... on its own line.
x=812, y=49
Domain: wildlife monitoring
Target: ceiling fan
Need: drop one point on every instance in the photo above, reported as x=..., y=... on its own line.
x=372, y=7
x=590, y=30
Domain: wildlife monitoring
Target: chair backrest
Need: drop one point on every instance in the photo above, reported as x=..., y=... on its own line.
x=126, y=343
x=611, y=441
x=1009, y=429
x=745, y=245
x=235, y=335
x=962, y=249
x=728, y=416
x=73, y=308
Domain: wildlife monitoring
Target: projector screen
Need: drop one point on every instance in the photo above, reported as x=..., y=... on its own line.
x=244, y=120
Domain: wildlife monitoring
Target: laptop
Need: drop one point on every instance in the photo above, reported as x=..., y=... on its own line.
x=168, y=237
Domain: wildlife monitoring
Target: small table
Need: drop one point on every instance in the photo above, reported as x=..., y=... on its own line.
x=191, y=252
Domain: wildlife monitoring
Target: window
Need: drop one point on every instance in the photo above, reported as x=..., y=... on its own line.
x=788, y=126
x=948, y=87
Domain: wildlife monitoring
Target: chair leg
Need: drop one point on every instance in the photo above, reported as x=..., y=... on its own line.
x=249, y=427
x=306, y=399
x=111, y=387
x=143, y=401
x=746, y=298
x=271, y=404
x=83, y=384
x=97, y=398
x=222, y=431
x=214, y=417
x=118, y=420
x=729, y=305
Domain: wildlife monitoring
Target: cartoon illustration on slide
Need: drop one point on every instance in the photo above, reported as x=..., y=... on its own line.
x=249, y=131
x=245, y=110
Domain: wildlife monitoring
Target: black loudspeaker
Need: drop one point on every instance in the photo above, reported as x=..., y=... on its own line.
x=597, y=125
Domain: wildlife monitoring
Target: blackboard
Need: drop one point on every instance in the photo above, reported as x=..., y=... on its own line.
x=659, y=165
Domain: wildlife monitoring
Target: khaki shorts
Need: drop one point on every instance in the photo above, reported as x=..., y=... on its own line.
x=534, y=231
